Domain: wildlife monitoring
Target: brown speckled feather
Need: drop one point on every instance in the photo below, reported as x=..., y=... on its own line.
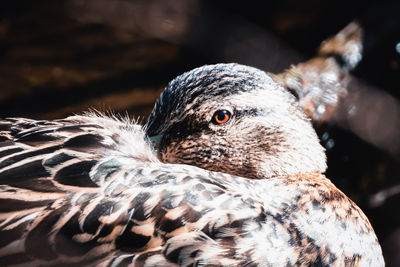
x=117, y=209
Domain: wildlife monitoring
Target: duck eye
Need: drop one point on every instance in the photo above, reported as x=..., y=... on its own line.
x=221, y=117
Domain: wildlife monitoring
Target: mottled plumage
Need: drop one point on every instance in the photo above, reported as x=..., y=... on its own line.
x=89, y=190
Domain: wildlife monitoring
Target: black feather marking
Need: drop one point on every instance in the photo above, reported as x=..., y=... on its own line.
x=191, y=215
x=174, y=255
x=138, y=206
x=316, y=204
x=76, y=174
x=10, y=151
x=168, y=225
x=30, y=170
x=83, y=141
x=237, y=224
x=38, y=137
x=8, y=236
x=92, y=222
x=8, y=205
x=38, y=184
x=194, y=253
x=105, y=230
x=57, y=159
x=28, y=154
x=66, y=245
x=293, y=92
x=131, y=241
x=158, y=211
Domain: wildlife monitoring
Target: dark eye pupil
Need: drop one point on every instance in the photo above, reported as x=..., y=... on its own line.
x=221, y=117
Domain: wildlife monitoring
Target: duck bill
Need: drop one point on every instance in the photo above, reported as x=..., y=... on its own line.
x=156, y=142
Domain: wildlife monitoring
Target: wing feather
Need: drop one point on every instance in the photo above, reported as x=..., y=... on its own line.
x=89, y=190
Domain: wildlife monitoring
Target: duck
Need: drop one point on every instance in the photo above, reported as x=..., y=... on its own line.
x=226, y=170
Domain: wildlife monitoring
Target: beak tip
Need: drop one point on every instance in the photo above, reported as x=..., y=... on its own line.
x=156, y=140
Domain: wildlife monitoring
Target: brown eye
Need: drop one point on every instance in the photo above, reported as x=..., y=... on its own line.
x=221, y=117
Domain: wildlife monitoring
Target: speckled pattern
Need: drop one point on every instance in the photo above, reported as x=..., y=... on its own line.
x=90, y=190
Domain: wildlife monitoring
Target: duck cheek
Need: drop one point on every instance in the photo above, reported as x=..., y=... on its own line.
x=168, y=157
x=170, y=153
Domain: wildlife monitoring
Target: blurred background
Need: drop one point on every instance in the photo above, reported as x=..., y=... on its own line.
x=58, y=58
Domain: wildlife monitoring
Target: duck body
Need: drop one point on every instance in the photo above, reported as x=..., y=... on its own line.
x=90, y=190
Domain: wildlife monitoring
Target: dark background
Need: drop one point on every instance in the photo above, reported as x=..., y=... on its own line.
x=63, y=57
